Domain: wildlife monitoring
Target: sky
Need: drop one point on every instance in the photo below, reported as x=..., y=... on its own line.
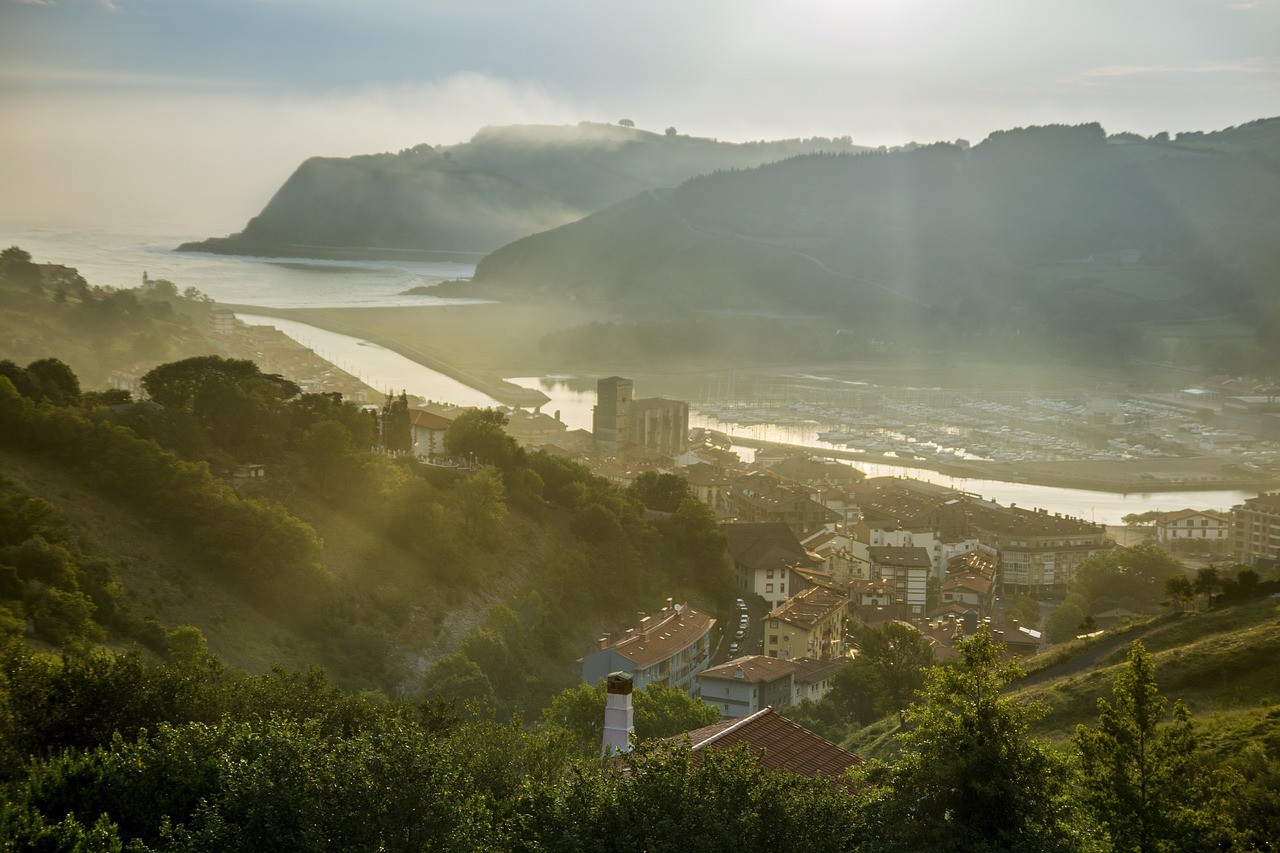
x=187, y=115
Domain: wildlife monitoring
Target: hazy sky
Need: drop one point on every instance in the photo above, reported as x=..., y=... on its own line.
x=188, y=114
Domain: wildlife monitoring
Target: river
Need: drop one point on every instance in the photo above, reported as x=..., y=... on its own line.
x=574, y=397
x=119, y=258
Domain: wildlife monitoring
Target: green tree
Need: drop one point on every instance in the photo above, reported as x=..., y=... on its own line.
x=1180, y=591
x=239, y=407
x=971, y=777
x=58, y=382
x=1064, y=622
x=458, y=678
x=662, y=492
x=16, y=268
x=1138, y=778
x=898, y=654
x=397, y=427
x=480, y=434
x=1025, y=609
x=1208, y=582
x=482, y=503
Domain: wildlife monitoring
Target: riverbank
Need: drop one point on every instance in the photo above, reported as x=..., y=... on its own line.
x=1130, y=476
x=345, y=321
x=478, y=344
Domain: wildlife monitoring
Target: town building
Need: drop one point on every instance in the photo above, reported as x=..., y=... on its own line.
x=810, y=624
x=763, y=555
x=426, y=433
x=1205, y=531
x=1039, y=552
x=908, y=568
x=671, y=648
x=813, y=679
x=1255, y=530
x=745, y=685
x=759, y=497
x=622, y=424
x=971, y=582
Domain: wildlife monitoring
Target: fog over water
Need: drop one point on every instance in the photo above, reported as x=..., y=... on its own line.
x=119, y=258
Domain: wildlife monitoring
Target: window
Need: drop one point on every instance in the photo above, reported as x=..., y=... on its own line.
x=782, y=587
x=773, y=623
x=773, y=639
x=768, y=573
x=768, y=587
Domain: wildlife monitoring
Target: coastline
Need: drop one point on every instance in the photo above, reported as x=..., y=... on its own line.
x=506, y=392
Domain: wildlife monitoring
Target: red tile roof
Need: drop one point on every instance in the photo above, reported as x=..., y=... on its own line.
x=780, y=743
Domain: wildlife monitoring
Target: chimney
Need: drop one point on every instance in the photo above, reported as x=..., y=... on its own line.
x=604, y=641
x=641, y=619
x=618, y=725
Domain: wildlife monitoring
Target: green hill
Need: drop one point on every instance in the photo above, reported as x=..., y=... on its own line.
x=1059, y=235
x=505, y=183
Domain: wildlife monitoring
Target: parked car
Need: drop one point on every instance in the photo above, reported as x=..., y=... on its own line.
x=733, y=648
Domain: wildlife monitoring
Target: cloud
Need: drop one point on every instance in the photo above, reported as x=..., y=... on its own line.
x=207, y=160
x=1260, y=65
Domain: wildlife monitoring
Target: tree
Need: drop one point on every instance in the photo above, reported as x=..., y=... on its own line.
x=58, y=382
x=1025, y=609
x=16, y=268
x=238, y=406
x=480, y=433
x=1126, y=577
x=898, y=654
x=670, y=132
x=397, y=427
x=457, y=677
x=482, y=501
x=1138, y=778
x=1208, y=581
x=1064, y=622
x=1180, y=591
x=626, y=122
x=971, y=777
x=662, y=492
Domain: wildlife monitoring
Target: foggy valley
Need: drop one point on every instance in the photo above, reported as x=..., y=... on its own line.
x=858, y=449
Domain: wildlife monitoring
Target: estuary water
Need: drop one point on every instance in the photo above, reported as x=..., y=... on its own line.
x=119, y=259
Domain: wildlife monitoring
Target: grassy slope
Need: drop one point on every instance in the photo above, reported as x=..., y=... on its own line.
x=1224, y=665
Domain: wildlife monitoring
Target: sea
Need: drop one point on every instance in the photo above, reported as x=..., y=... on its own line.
x=120, y=258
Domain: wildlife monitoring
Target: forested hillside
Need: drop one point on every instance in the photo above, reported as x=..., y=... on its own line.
x=443, y=611
x=505, y=183
x=1056, y=239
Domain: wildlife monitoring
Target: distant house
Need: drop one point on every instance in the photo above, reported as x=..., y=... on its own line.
x=426, y=430
x=671, y=647
x=745, y=685
x=813, y=679
x=908, y=568
x=871, y=592
x=1189, y=528
x=758, y=497
x=810, y=624
x=763, y=555
x=779, y=743
x=971, y=582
